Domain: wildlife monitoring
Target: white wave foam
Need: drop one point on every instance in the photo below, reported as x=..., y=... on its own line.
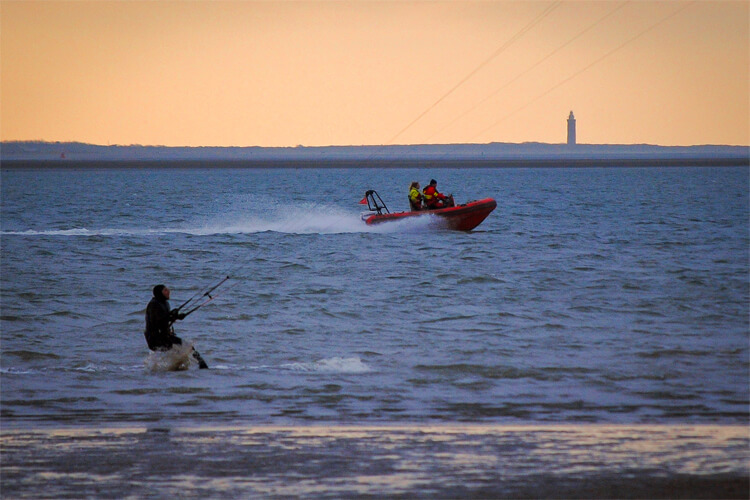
x=175, y=359
x=330, y=365
x=17, y=371
x=89, y=368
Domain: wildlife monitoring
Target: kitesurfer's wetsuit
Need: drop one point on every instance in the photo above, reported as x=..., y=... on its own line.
x=159, y=333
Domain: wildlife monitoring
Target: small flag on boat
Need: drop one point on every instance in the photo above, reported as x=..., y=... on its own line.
x=363, y=201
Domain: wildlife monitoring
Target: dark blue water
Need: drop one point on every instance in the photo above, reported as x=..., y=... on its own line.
x=590, y=296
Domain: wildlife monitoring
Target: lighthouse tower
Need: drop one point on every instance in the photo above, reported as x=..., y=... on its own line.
x=571, y=130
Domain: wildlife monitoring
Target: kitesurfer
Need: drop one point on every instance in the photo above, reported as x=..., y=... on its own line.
x=434, y=199
x=159, y=319
x=415, y=197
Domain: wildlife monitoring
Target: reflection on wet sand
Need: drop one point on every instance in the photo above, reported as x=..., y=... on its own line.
x=573, y=461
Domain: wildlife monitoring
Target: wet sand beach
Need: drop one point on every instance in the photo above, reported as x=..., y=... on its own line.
x=393, y=461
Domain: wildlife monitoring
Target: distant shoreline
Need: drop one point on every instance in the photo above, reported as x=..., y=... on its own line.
x=31, y=154
x=267, y=163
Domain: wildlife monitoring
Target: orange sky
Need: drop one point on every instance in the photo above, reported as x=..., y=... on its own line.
x=244, y=73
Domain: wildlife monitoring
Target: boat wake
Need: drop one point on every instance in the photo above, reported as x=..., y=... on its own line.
x=319, y=221
x=294, y=219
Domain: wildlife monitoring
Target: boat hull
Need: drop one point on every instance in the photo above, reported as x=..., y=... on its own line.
x=459, y=218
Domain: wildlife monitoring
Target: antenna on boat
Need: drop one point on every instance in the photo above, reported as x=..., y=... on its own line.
x=375, y=203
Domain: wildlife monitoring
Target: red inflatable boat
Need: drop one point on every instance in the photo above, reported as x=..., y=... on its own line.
x=460, y=217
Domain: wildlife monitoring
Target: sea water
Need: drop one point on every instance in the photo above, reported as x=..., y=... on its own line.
x=594, y=304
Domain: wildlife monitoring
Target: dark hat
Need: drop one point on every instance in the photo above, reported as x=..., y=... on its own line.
x=433, y=181
x=157, y=291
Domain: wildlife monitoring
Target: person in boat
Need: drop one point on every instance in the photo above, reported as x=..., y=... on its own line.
x=433, y=199
x=159, y=332
x=415, y=197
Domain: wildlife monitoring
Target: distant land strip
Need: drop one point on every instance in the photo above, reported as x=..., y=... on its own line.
x=378, y=163
x=40, y=154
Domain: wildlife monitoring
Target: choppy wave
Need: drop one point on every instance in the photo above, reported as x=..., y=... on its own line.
x=558, y=311
x=179, y=358
x=27, y=355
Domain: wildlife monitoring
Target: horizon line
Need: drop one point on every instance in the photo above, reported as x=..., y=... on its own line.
x=301, y=146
